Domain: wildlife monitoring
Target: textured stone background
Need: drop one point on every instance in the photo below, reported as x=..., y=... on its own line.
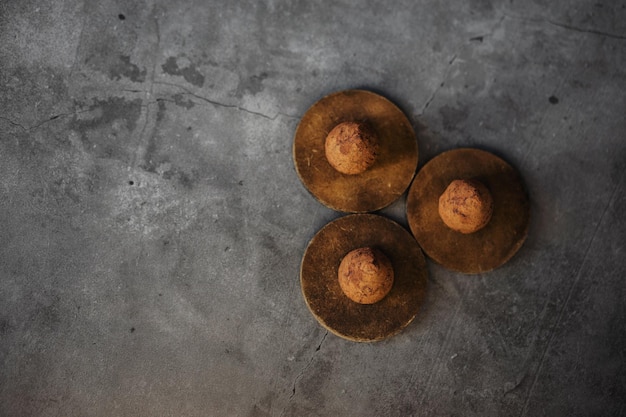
x=152, y=223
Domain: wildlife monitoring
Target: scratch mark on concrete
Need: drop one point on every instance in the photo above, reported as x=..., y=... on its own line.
x=538, y=132
x=567, y=300
x=494, y=325
x=437, y=362
x=455, y=293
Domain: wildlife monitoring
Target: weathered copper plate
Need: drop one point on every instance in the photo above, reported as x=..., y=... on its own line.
x=381, y=184
x=487, y=248
x=332, y=308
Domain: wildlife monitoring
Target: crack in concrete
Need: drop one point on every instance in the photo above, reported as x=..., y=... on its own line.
x=583, y=30
x=43, y=122
x=302, y=372
x=186, y=91
x=148, y=93
x=15, y=123
x=478, y=38
x=517, y=385
x=566, y=26
x=79, y=44
x=441, y=84
x=58, y=116
x=481, y=38
x=158, y=48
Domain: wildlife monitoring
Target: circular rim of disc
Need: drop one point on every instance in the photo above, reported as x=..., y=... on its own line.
x=381, y=184
x=488, y=248
x=324, y=296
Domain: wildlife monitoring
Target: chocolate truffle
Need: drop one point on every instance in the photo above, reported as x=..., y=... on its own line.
x=351, y=148
x=466, y=206
x=365, y=275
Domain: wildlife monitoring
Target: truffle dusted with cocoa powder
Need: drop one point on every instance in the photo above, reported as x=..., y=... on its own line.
x=366, y=275
x=466, y=206
x=351, y=148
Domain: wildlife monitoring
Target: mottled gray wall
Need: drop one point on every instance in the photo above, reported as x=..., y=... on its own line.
x=152, y=223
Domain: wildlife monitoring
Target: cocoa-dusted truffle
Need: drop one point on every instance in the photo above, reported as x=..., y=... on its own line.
x=351, y=148
x=466, y=206
x=365, y=275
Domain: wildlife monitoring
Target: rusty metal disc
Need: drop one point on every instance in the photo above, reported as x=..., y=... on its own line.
x=487, y=248
x=381, y=184
x=323, y=294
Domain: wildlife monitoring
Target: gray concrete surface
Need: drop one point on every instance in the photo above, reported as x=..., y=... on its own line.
x=152, y=223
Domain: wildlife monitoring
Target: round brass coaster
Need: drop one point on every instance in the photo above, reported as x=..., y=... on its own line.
x=323, y=294
x=382, y=183
x=487, y=248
